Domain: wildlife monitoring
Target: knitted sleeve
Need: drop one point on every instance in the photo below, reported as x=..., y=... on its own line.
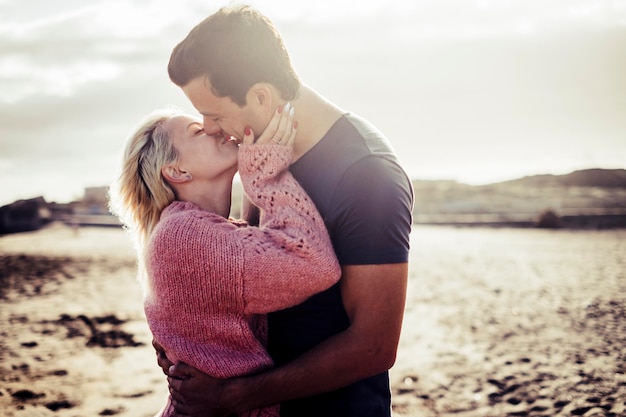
x=289, y=257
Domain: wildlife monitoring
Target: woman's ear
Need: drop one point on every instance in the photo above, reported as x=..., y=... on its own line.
x=175, y=175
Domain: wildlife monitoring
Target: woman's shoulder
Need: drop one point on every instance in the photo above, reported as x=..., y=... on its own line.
x=182, y=221
x=183, y=217
x=177, y=207
x=185, y=212
x=185, y=224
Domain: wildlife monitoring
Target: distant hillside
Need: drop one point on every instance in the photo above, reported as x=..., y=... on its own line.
x=592, y=192
x=604, y=178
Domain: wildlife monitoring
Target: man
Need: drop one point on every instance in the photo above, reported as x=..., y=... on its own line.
x=333, y=352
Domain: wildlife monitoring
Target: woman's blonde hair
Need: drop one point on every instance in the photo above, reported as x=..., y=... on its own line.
x=141, y=193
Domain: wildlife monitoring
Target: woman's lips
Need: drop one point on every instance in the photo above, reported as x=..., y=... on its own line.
x=228, y=138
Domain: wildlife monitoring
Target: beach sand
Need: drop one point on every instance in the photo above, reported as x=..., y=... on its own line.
x=499, y=322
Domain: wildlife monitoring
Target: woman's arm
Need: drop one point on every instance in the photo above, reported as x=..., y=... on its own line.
x=366, y=348
x=290, y=256
x=249, y=269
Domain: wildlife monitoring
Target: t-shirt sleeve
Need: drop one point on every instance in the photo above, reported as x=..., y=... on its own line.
x=374, y=213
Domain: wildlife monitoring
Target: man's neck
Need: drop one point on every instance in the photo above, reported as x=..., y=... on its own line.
x=315, y=116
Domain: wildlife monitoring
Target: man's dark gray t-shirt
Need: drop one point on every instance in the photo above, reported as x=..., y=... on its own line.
x=365, y=198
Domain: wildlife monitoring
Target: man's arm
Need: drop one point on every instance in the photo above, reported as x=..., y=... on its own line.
x=374, y=299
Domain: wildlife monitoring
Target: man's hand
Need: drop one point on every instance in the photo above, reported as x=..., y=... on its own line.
x=194, y=393
x=162, y=360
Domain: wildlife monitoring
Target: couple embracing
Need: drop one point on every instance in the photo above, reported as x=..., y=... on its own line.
x=295, y=309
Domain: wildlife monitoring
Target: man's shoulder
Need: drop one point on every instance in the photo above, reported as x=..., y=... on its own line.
x=374, y=140
x=349, y=140
x=350, y=148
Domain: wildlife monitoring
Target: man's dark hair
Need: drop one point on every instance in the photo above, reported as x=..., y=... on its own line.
x=235, y=48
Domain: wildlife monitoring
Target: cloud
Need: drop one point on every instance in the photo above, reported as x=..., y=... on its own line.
x=470, y=75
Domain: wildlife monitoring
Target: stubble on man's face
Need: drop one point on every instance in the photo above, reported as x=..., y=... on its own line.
x=220, y=114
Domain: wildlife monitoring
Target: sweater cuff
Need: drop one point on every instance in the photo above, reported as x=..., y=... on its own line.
x=267, y=159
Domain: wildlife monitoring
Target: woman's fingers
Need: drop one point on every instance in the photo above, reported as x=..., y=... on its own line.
x=294, y=130
x=284, y=125
x=280, y=128
x=268, y=134
x=248, y=136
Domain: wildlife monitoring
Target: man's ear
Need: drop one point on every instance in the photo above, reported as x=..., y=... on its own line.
x=175, y=175
x=260, y=94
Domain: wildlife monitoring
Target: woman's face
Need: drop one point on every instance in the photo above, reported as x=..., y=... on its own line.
x=201, y=155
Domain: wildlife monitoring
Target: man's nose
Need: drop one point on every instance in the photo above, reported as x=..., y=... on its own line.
x=211, y=127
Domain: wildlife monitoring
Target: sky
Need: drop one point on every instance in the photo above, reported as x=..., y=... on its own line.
x=475, y=91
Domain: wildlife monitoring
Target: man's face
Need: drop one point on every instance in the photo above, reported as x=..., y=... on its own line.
x=219, y=113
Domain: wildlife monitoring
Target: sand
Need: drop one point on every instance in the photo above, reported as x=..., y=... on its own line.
x=499, y=322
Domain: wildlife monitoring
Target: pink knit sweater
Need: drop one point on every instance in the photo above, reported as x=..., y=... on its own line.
x=211, y=279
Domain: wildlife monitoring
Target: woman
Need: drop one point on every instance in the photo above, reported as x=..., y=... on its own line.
x=209, y=279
